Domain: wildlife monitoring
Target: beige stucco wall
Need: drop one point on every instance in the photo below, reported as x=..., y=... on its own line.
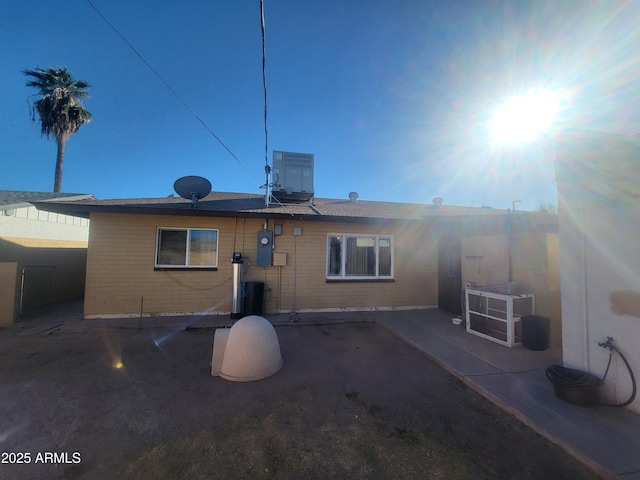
x=535, y=256
x=600, y=288
x=554, y=311
x=121, y=275
x=599, y=209
x=8, y=292
x=485, y=259
x=536, y=269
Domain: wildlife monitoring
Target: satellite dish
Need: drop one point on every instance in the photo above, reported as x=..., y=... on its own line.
x=192, y=188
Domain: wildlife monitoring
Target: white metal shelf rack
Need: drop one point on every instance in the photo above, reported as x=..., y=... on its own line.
x=496, y=316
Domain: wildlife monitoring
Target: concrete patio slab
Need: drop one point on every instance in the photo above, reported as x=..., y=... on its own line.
x=604, y=438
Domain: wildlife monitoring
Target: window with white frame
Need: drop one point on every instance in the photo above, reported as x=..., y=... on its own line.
x=186, y=248
x=359, y=256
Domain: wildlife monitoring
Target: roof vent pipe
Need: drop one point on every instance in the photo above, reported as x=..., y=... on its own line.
x=353, y=197
x=437, y=201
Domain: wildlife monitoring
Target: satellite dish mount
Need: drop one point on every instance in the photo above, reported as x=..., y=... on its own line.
x=192, y=188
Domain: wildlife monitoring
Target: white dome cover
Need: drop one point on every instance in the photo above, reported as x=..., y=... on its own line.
x=252, y=350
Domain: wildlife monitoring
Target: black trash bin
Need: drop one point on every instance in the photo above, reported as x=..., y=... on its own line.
x=253, y=298
x=535, y=332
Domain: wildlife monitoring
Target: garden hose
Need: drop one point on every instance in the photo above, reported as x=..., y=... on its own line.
x=609, y=344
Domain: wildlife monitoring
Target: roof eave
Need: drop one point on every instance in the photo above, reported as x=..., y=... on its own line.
x=84, y=210
x=11, y=206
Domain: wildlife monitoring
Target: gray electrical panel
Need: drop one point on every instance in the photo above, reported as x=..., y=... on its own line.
x=265, y=245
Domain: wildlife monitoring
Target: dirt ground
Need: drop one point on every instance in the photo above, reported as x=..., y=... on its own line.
x=352, y=401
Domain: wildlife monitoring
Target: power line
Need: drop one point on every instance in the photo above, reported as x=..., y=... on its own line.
x=166, y=84
x=264, y=85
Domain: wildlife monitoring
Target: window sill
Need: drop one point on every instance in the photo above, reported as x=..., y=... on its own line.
x=183, y=269
x=360, y=280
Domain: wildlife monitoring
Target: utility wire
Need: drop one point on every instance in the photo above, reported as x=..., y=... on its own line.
x=264, y=85
x=267, y=168
x=166, y=84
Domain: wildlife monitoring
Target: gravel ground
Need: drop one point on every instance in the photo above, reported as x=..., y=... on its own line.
x=352, y=401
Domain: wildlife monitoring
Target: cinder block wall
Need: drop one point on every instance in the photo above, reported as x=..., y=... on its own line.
x=303, y=281
x=121, y=275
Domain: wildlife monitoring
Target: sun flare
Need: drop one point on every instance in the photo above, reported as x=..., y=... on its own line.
x=522, y=118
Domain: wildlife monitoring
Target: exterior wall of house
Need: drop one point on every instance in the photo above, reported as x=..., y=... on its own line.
x=554, y=289
x=485, y=259
x=600, y=267
x=8, y=293
x=303, y=281
x=121, y=276
x=536, y=269
x=535, y=257
x=599, y=209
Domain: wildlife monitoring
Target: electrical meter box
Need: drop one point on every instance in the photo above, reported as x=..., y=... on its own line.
x=265, y=245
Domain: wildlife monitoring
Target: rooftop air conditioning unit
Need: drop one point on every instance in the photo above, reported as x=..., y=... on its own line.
x=293, y=176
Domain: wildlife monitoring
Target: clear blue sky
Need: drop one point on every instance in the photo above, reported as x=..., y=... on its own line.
x=392, y=97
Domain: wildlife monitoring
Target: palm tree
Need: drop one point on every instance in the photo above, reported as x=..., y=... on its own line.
x=60, y=108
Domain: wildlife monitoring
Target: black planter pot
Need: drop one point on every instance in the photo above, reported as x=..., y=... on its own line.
x=575, y=386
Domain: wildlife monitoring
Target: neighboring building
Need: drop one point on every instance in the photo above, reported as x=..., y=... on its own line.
x=165, y=258
x=42, y=254
x=598, y=177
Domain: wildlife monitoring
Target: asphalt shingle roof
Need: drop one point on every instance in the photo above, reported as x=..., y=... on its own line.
x=227, y=204
x=253, y=205
x=17, y=198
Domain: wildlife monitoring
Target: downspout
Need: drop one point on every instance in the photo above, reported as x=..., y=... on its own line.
x=510, y=250
x=295, y=268
x=22, y=274
x=585, y=288
x=511, y=244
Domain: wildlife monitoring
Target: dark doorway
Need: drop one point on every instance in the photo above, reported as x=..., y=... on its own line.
x=36, y=290
x=450, y=273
